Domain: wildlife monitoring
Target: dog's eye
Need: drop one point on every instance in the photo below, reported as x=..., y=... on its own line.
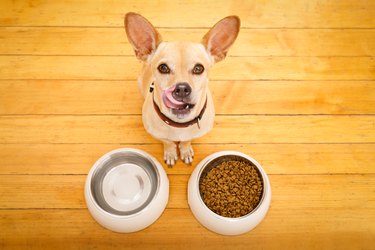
x=198, y=69
x=164, y=69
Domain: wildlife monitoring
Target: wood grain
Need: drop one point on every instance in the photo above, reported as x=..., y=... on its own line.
x=275, y=158
x=233, y=68
x=228, y=129
x=230, y=97
x=304, y=191
x=250, y=42
x=296, y=92
x=316, y=228
x=276, y=13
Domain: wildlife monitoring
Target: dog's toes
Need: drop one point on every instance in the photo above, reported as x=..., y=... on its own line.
x=170, y=159
x=188, y=160
x=170, y=162
x=187, y=155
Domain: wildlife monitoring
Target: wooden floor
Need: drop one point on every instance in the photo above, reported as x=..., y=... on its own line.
x=297, y=93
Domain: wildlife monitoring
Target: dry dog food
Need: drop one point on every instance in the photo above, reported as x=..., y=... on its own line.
x=232, y=188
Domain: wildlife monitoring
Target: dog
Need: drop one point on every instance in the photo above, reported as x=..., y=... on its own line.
x=178, y=105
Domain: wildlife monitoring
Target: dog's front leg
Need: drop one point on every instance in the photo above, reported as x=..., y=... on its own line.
x=170, y=153
x=186, y=152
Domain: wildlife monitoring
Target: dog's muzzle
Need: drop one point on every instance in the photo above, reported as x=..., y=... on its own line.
x=172, y=123
x=178, y=99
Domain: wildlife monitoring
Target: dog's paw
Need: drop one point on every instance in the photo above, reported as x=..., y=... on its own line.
x=186, y=152
x=170, y=154
x=170, y=158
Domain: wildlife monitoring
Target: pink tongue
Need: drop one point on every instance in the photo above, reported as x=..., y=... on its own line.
x=169, y=101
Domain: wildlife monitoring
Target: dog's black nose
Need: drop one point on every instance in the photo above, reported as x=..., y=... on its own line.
x=181, y=91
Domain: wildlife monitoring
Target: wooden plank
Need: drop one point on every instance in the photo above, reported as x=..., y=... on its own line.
x=71, y=229
x=234, y=68
x=230, y=97
x=278, y=13
x=228, y=129
x=275, y=158
x=251, y=42
x=303, y=106
x=304, y=191
x=33, y=191
x=291, y=97
x=70, y=97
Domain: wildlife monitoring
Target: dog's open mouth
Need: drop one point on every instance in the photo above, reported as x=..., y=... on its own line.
x=178, y=108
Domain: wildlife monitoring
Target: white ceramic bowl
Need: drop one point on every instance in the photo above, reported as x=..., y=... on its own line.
x=126, y=190
x=217, y=223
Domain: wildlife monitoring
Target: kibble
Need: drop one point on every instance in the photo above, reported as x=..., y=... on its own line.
x=232, y=188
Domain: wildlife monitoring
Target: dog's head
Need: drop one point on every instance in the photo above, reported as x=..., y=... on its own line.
x=179, y=70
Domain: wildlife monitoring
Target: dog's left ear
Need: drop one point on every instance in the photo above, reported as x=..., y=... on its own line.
x=141, y=34
x=221, y=36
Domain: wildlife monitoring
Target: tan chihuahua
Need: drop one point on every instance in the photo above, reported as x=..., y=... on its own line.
x=178, y=105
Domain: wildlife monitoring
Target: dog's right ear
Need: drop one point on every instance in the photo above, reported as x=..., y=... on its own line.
x=142, y=35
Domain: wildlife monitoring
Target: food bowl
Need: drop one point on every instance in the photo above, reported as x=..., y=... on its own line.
x=126, y=190
x=212, y=220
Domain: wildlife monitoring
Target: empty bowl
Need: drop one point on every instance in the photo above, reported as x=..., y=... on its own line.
x=215, y=221
x=126, y=190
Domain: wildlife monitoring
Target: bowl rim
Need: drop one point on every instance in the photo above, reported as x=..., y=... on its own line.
x=105, y=157
x=237, y=154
